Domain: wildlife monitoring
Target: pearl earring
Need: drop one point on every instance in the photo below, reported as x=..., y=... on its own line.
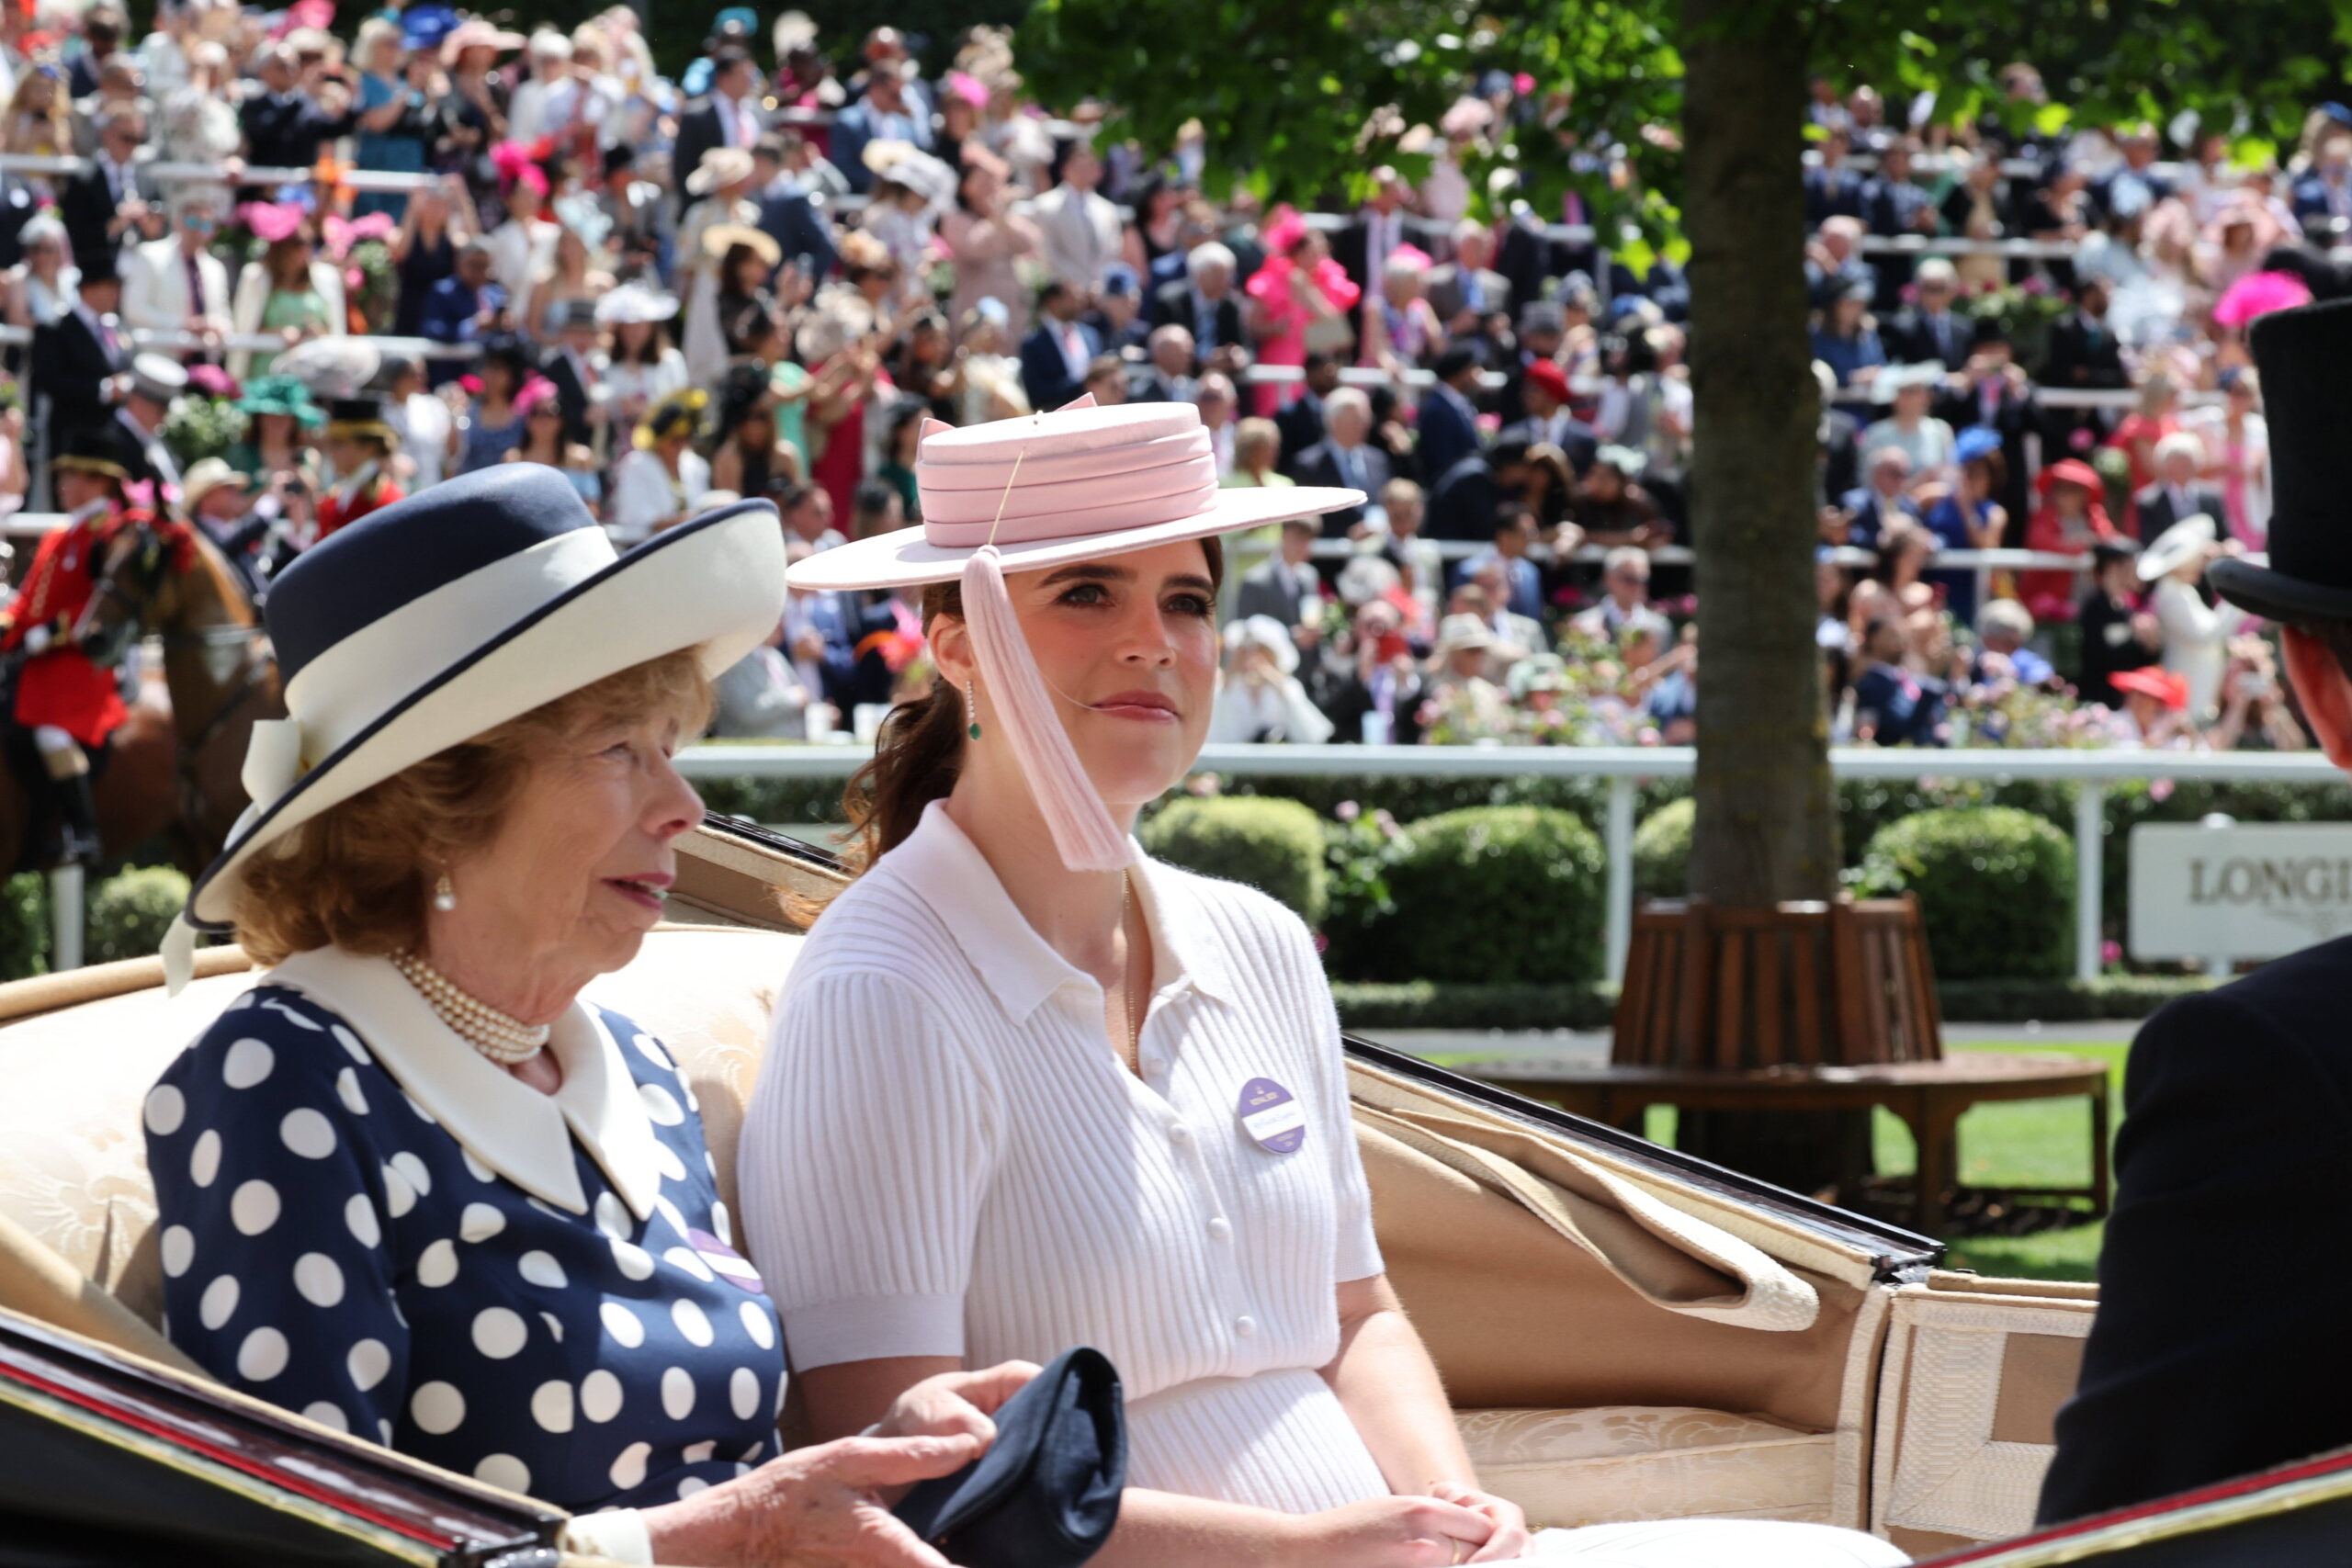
x=445, y=898
x=972, y=713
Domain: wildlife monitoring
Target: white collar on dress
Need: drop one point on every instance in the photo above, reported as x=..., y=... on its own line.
x=947, y=872
x=523, y=1135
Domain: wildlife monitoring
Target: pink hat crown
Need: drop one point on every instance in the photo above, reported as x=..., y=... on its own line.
x=1065, y=475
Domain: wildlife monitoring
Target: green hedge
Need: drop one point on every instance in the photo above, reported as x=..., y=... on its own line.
x=24, y=926
x=1276, y=846
x=1662, y=851
x=1491, y=894
x=1995, y=888
x=1369, y=1008
x=130, y=913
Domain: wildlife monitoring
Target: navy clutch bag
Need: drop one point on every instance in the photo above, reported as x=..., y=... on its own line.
x=1046, y=1493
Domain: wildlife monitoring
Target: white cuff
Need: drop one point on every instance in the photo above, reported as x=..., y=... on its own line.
x=618, y=1535
x=823, y=1334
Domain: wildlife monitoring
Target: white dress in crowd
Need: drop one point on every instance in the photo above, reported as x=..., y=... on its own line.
x=943, y=1157
x=2196, y=642
x=701, y=337
x=645, y=492
x=638, y=385
x=1251, y=710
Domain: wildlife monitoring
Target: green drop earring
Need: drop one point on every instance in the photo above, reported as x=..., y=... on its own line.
x=971, y=713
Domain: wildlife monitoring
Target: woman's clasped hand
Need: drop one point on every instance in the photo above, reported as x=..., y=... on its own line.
x=829, y=1506
x=1451, y=1524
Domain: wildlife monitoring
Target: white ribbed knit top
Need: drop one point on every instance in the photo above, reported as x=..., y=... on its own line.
x=944, y=1156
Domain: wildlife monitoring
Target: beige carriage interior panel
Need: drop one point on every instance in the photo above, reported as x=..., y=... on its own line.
x=727, y=880
x=1975, y=1372
x=1619, y=1464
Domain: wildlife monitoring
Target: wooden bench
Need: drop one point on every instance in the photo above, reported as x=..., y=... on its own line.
x=1804, y=1007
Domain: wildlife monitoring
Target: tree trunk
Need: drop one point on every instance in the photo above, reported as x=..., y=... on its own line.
x=1767, y=823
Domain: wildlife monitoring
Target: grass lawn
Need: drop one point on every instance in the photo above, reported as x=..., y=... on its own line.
x=2035, y=1142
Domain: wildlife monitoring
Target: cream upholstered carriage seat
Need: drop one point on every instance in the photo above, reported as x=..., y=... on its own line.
x=78, y=1243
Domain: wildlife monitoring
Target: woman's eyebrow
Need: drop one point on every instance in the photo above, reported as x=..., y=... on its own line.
x=1090, y=572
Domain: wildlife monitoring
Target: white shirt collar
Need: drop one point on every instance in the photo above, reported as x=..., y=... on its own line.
x=523, y=1135
x=943, y=867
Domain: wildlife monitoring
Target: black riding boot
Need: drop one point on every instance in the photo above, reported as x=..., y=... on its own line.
x=80, y=810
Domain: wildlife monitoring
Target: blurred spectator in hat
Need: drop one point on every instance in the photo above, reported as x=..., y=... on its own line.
x=421, y=423
x=1205, y=303
x=2255, y=713
x=359, y=446
x=2003, y=628
x=2322, y=199
x=884, y=57
x=1971, y=517
x=177, y=284
x=423, y=249
x=546, y=65
x=279, y=419
x=639, y=212
x=2136, y=186
x=1169, y=375
x=962, y=101
x=494, y=423
x=2179, y=491
x=751, y=454
x=807, y=514
x=523, y=246
x=2070, y=518
x=102, y=29
x=886, y=111
x=1261, y=697
x=1977, y=207
x=2173, y=567
x=991, y=377
x=2085, y=354
x=40, y=288
x=78, y=359
x=661, y=479
x=113, y=203
x=1993, y=392
x=1399, y=331
x=1448, y=420
x=1896, y=204
x=1543, y=334
x=1346, y=458
x=2154, y=703
x=569, y=365
x=1466, y=291
x=762, y=696
x=1928, y=441
x=219, y=501
x=155, y=388
x=1055, y=356
x=787, y=213
x=1456, y=687
x=1549, y=421
x=1932, y=332
x=1299, y=301
x=291, y=292
x=473, y=111
x=397, y=122
x=197, y=119
x=1285, y=585
x=1117, y=318
x=991, y=244
x=639, y=366
x=1846, y=340
x=1084, y=232
x=1417, y=558
x=285, y=124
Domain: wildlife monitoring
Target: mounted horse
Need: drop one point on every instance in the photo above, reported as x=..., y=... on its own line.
x=172, y=766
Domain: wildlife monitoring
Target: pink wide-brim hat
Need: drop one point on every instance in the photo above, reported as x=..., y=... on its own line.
x=1078, y=484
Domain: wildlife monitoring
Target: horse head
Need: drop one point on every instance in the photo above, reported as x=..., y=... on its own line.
x=159, y=576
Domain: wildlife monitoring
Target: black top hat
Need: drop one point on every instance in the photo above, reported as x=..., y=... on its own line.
x=104, y=449
x=99, y=265
x=360, y=418
x=2306, y=357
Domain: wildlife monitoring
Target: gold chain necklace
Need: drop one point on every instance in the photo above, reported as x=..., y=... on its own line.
x=504, y=1038
x=1127, y=980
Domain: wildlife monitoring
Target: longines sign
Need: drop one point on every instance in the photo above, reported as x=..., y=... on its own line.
x=2259, y=891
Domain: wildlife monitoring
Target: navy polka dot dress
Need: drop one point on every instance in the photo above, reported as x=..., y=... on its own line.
x=329, y=1247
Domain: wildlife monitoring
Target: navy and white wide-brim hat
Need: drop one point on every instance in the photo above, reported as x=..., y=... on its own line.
x=467, y=605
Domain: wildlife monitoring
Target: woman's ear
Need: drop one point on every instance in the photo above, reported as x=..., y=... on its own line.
x=951, y=649
x=2327, y=695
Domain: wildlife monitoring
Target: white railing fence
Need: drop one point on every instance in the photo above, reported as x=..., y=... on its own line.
x=1624, y=767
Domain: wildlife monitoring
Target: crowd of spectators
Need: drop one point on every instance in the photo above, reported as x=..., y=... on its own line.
x=764, y=277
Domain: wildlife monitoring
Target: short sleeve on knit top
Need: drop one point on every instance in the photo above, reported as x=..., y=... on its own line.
x=329, y=1245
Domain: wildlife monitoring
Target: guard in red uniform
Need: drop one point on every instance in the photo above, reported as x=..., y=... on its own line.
x=359, y=443
x=69, y=701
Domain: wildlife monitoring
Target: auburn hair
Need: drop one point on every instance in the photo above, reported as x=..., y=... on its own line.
x=919, y=752
x=358, y=874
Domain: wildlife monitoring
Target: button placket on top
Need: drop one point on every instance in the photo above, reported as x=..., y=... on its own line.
x=1198, y=1143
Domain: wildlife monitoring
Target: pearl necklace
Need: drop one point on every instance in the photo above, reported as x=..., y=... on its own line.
x=504, y=1039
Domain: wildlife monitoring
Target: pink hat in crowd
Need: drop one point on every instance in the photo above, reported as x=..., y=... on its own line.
x=1024, y=495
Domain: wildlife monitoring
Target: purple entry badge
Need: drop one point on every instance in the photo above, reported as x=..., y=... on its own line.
x=1272, y=1118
